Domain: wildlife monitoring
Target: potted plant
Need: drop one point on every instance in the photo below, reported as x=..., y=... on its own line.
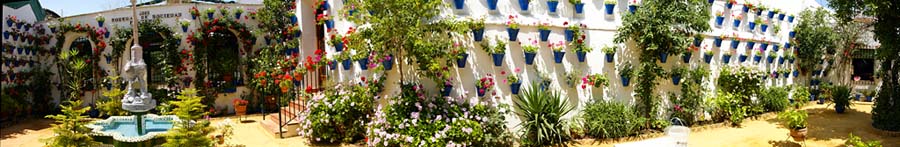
x=240, y=106
x=771, y=57
x=747, y=7
x=573, y=30
x=497, y=51
x=742, y=57
x=790, y=58
x=726, y=58
x=676, y=74
x=362, y=58
x=579, y=6
x=718, y=40
x=523, y=4
x=686, y=56
x=461, y=55
x=758, y=56
x=759, y=9
x=459, y=4
x=869, y=94
x=551, y=5
x=292, y=17
x=477, y=26
x=737, y=20
x=625, y=72
x=841, y=98
x=773, y=12
x=663, y=56
x=194, y=12
x=610, y=52
x=100, y=19
x=735, y=41
x=210, y=12
x=791, y=18
x=632, y=6
x=795, y=120
x=730, y=4
x=595, y=80
x=707, y=56
x=512, y=28
x=581, y=49
x=781, y=60
x=492, y=5
x=780, y=16
x=752, y=24
x=484, y=84
x=237, y=12
x=325, y=19
x=763, y=25
x=530, y=51
x=544, y=30
x=224, y=12
x=698, y=39
x=514, y=83
x=763, y=45
x=558, y=53
x=337, y=41
x=609, y=5
x=344, y=58
x=719, y=18
x=184, y=25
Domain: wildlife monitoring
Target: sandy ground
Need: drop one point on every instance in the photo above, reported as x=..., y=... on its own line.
x=827, y=129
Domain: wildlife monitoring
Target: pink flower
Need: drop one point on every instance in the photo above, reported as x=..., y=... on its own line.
x=502, y=72
x=518, y=70
x=583, y=86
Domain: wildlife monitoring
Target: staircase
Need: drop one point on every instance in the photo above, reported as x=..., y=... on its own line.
x=288, y=124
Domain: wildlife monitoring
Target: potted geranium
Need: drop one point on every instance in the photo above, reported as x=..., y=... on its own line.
x=240, y=106
x=194, y=12
x=512, y=28
x=530, y=50
x=184, y=25
x=551, y=5
x=447, y=87
x=558, y=53
x=747, y=7
x=737, y=20
x=477, y=26
x=337, y=41
x=795, y=120
x=573, y=30
x=610, y=52
x=237, y=12
x=686, y=55
x=497, y=51
x=544, y=30
x=461, y=55
x=100, y=19
x=632, y=6
x=595, y=80
x=210, y=12
x=484, y=84
x=707, y=56
x=581, y=49
x=513, y=79
x=773, y=12
x=726, y=58
x=325, y=19
x=730, y=4
x=626, y=71
x=758, y=56
x=735, y=42
x=719, y=18
x=676, y=74
x=579, y=6
x=609, y=5
x=344, y=58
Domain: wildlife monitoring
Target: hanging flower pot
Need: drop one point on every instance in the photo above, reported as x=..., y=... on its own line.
x=514, y=87
x=332, y=65
x=581, y=55
x=697, y=41
x=752, y=25
x=780, y=60
x=294, y=19
x=757, y=58
x=663, y=57
x=529, y=58
x=478, y=34
x=729, y=5
x=610, y=57
x=791, y=34
x=785, y=74
x=492, y=4
x=9, y=22
x=775, y=47
x=551, y=5
x=209, y=15
x=338, y=47
x=737, y=23
x=523, y=4
x=5, y=34
x=676, y=79
x=763, y=45
x=750, y=44
x=579, y=8
x=771, y=59
x=346, y=64
x=447, y=89
x=791, y=60
x=513, y=33
x=632, y=8
x=329, y=24
x=108, y=59
x=363, y=63
x=763, y=27
x=711, y=1
x=19, y=25
x=545, y=34
x=481, y=91
x=742, y=58
x=570, y=35
x=686, y=57
x=461, y=61
x=796, y=73
x=781, y=16
x=625, y=81
x=609, y=8
x=388, y=62
x=498, y=59
x=558, y=56
x=746, y=8
x=707, y=58
x=791, y=19
x=726, y=58
x=771, y=14
x=719, y=20
x=106, y=34
x=734, y=44
x=717, y=41
x=458, y=4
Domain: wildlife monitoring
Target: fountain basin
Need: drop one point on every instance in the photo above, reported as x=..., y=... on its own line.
x=122, y=130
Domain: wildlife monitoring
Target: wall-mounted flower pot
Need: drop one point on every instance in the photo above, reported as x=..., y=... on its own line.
x=581, y=55
x=790, y=19
x=792, y=34
x=478, y=34
x=734, y=44
x=780, y=60
x=523, y=4
x=626, y=81
x=764, y=46
x=771, y=59
x=775, y=75
x=338, y=47
x=329, y=24
x=237, y=16
x=184, y=28
x=545, y=34
x=9, y=23
x=514, y=87
x=868, y=98
x=775, y=47
x=697, y=42
x=663, y=57
x=108, y=59
x=750, y=44
x=99, y=24
x=529, y=58
x=363, y=63
x=5, y=34
x=752, y=26
x=333, y=65
x=717, y=41
x=294, y=18
x=498, y=58
x=686, y=57
x=389, y=63
x=746, y=9
x=676, y=79
x=759, y=13
x=736, y=23
x=757, y=58
x=209, y=15
x=447, y=89
x=558, y=56
x=742, y=58
x=458, y=4
x=609, y=8
x=492, y=4
x=728, y=5
x=346, y=64
x=461, y=62
x=781, y=17
x=707, y=58
x=513, y=33
x=771, y=14
x=726, y=59
x=791, y=61
x=763, y=27
x=481, y=91
x=19, y=25
x=570, y=35
x=610, y=57
x=785, y=75
x=579, y=8
x=796, y=73
x=719, y=20
x=821, y=101
x=551, y=5
x=711, y=1
x=632, y=8
x=812, y=97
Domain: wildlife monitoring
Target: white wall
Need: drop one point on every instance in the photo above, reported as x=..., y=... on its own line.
x=25, y=14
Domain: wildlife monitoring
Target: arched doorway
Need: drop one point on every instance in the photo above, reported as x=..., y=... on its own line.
x=224, y=58
x=84, y=50
x=154, y=57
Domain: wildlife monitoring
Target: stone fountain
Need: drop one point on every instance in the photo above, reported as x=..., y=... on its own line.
x=140, y=129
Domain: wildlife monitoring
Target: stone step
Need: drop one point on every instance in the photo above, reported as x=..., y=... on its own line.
x=271, y=125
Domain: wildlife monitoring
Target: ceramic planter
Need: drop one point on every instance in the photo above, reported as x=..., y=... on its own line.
x=737, y=23
x=570, y=35
x=780, y=16
x=329, y=24
x=447, y=89
x=711, y=1
x=752, y=26
x=750, y=44
x=480, y=91
x=697, y=42
x=558, y=56
x=609, y=8
x=514, y=87
x=523, y=4
x=790, y=19
x=771, y=14
x=718, y=42
x=792, y=34
x=581, y=55
x=551, y=5
x=100, y=23
x=742, y=58
x=663, y=57
x=686, y=57
x=389, y=63
x=529, y=58
x=492, y=4
x=707, y=58
x=478, y=34
x=461, y=62
x=676, y=79
x=332, y=65
x=545, y=34
x=780, y=60
x=798, y=134
x=294, y=18
x=771, y=59
x=237, y=16
x=785, y=75
x=728, y=5
x=458, y=4
x=363, y=63
x=796, y=73
x=632, y=8
x=838, y=109
x=610, y=57
x=338, y=47
x=726, y=58
x=209, y=15
x=346, y=64
x=498, y=59
x=763, y=46
x=184, y=28
x=579, y=8
x=763, y=27
x=757, y=58
x=734, y=44
x=791, y=61
x=719, y=20
x=625, y=81
x=513, y=33
x=746, y=9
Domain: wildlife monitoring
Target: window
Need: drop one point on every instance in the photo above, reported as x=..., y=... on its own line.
x=864, y=68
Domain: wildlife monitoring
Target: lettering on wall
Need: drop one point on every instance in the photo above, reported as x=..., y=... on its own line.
x=143, y=15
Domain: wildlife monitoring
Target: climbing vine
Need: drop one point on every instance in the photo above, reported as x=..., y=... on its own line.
x=211, y=32
x=167, y=59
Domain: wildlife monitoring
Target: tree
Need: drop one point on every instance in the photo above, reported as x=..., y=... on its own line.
x=191, y=130
x=886, y=112
x=69, y=129
x=815, y=36
x=660, y=27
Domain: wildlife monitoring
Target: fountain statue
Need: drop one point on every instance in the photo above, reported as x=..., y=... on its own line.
x=136, y=75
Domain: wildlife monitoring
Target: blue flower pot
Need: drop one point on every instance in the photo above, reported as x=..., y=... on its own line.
x=686, y=57
x=447, y=89
x=757, y=58
x=184, y=28
x=792, y=34
x=707, y=58
x=763, y=27
x=728, y=5
x=868, y=98
x=711, y=1
x=523, y=4
x=717, y=41
x=346, y=64
x=581, y=55
x=752, y=26
x=609, y=8
x=750, y=44
x=632, y=8
x=746, y=9
x=100, y=23
x=209, y=15
x=775, y=74
x=570, y=35
x=676, y=79
x=545, y=35
x=498, y=58
x=764, y=46
x=726, y=59
x=785, y=75
x=780, y=60
x=458, y=4
x=492, y=4
x=579, y=8
x=787, y=45
x=461, y=62
x=791, y=61
x=737, y=23
x=610, y=57
x=812, y=97
x=790, y=19
x=329, y=24
x=734, y=44
x=663, y=57
x=529, y=58
x=838, y=109
x=796, y=73
x=193, y=17
x=514, y=87
x=771, y=59
x=5, y=35
x=759, y=12
x=551, y=5
x=19, y=25
x=697, y=42
x=339, y=46
x=513, y=34
x=625, y=81
x=108, y=59
x=388, y=64
x=294, y=18
x=719, y=20
x=791, y=101
x=325, y=5
x=775, y=47
x=780, y=16
x=742, y=58
x=480, y=91
x=333, y=65
x=478, y=34
x=771, y=14
x=9, y=23
x=363, y=64
x=237, y=16
x=558, y=56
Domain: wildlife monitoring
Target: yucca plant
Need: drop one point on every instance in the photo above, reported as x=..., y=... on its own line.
x=541, y=112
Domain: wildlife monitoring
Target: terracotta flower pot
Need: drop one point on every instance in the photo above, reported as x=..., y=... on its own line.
x=798, y=134
x=240, y=109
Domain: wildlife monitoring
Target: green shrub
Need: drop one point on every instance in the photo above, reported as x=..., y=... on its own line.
x=793, y=119
x=728, y=107
x=191, y=130
x=68, y=131
x=338, y=115
x=856, y=141
x=541, y=112
x=841, y=96
x=800, y=95
x=774, y=99
x=610, y=120
x=687, y=107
